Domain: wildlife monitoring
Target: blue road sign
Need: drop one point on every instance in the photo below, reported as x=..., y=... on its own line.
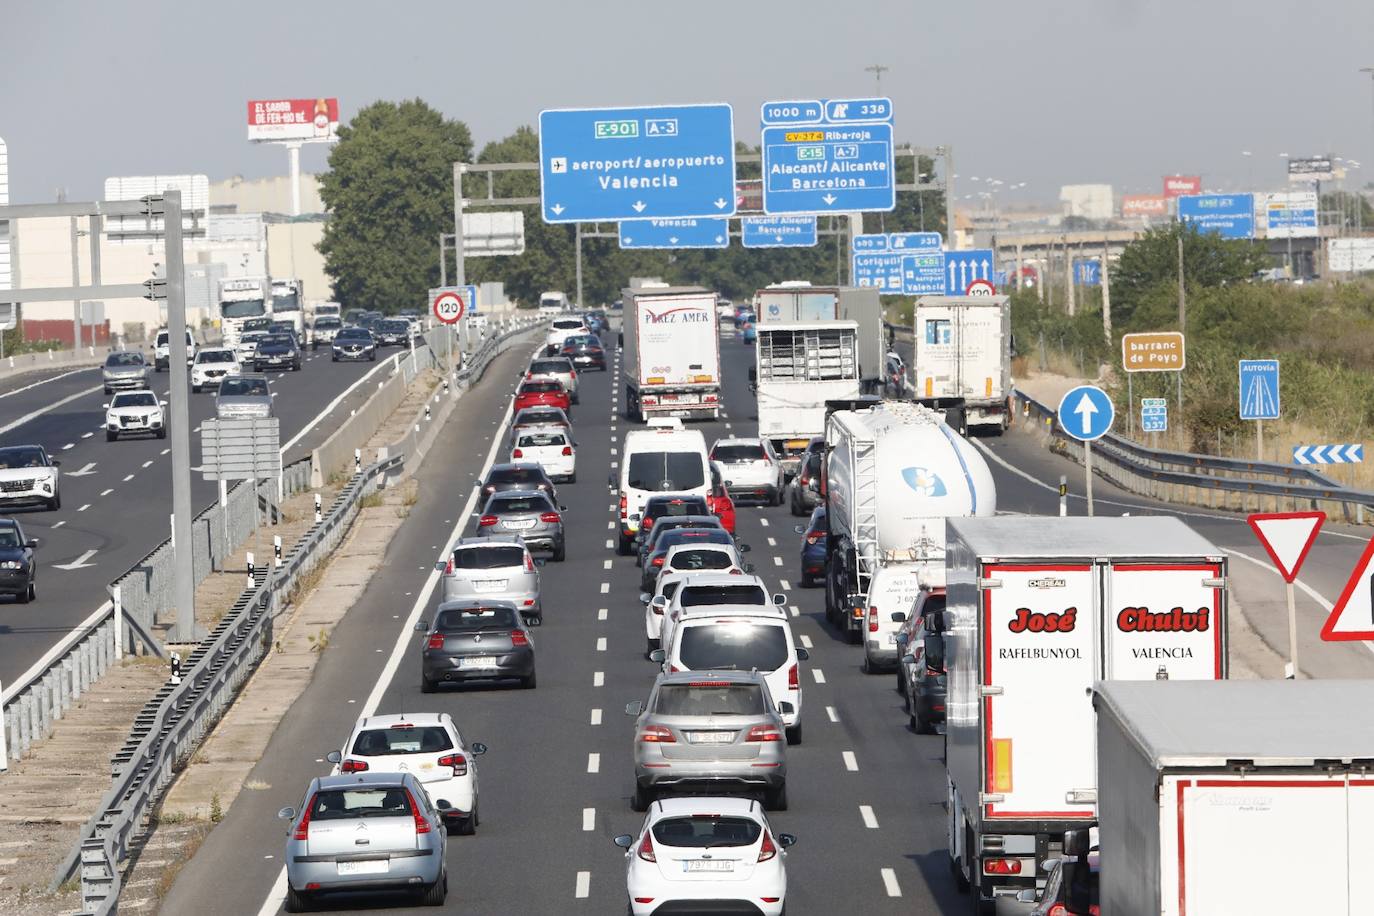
x=1230, y=216
x=778, y=231
x=877, y=242
x=999, y=279
x=1086, y=413
x=675, y=233
x=1259, y=389
x=828, y=156
x=914, y=241
x=923, y=274
x=882, y=269
x=1154, y=415
x=963, y=267
x=1328, y=454
x=469, y=297
x=636, y=163
x=910, y=263
x=1087, y=273
x=1292, y=214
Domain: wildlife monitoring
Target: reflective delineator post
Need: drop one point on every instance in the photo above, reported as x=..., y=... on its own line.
x=276, y=550
x=1063, y=495
x=251, y=583
x=319, y=512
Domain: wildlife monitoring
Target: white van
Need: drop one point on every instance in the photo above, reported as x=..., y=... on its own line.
x=892, y=592
x=551, y=447
x=665, y=458
x=552, y=302
x=743, y=642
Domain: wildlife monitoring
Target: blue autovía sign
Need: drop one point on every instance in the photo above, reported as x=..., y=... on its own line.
x=1230, y=216
x=778, y=231
x=675, y=233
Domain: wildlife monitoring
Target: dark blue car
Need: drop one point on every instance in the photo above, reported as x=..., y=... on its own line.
x=813, y=548
x=18, y=568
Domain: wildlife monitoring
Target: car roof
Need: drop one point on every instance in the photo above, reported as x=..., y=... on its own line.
x=401, y=718
x=368, y=779
x=523, y=465
x=712, y=674
x=686, y=806
x=467, y=604
x=725, y=578
x=496, y=540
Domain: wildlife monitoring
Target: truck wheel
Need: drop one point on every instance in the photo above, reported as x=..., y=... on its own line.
x=956, y=871
x=622, y=545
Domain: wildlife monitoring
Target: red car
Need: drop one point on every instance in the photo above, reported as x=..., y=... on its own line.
x=719, y=501
x=543, y=392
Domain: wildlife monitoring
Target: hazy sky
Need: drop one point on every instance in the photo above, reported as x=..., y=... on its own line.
x=1049, y=93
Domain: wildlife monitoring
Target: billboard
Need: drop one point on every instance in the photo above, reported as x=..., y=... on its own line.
x=1316, y=168
x=1291, y=215
x=1179, y=185
x=139, y=230
x=1144, y=205
x=304, y=120
x=1231, y=216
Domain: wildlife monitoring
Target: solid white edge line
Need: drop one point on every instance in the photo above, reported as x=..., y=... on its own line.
x=56, y=652
x=329, y=408
x=46, y=381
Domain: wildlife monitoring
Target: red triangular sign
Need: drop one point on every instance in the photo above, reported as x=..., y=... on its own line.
x=1287, y=536
x=1353, y=616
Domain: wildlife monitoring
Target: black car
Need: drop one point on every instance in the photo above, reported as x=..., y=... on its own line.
x=277, y=351
x=670, y=522
x=354, y=343
x=806, y=483
x=392, y=332
x=676, y=537
x=921, y=674
x=661, y=505
x=518, y=475
x=475, y=641
x=18, y=568
x=585, y=350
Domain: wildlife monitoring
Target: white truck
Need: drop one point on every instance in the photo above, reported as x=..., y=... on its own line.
x=893, y=473
x=962, y=357
x=552, y=303
x=288, y=303
x=1037, y=611
x=790, y=302
x=241, y=299
x=798, y=366
x=1205, y=790
x=671, y=349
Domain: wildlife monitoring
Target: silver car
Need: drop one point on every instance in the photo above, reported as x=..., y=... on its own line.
x=365, y=831
x=751, y=468
x=494, y=569
x=124, y=370
x=529, y=515
x=559, y=367
x=709, y=731
x=244, y=396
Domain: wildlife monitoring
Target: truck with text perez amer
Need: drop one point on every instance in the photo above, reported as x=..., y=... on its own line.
x=1038, y=610
x=671, y=344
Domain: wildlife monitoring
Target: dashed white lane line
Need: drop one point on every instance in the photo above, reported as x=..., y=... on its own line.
x=611, y=507
x=87, y=435
x=606, y=564
x=728, y=426
x=819, y=675
x=59, y=524
x=777, y=561
x=602, y=613
x=69, y=445
x=763, y=522
x=584, y=884
x=890, y=883
x=870, y=820
x=599, y=679
x=794, y=610
x=613, y=451
x=610, y=544
x=593, y=762
x=615, y=464
x=128, y=478
x=106, y=492
x=588, y=818
x=596, y=717
x=148, y=463
x=806, y=641
x=167, y=451
x=831, y=714
x=772, y=542
x=605, y=587
x=786, y=586
x=850, y=763
x=84, y=508
x=601, y=644
x=610, y=526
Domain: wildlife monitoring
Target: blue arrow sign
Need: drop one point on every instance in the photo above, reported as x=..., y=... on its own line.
x=1328, y=454
x=1086, y=413
x=963, y=267
x=1087, y=273
x=636, y=163
x=469, y=296
x=1230, y=216
x=675, y=233
x=1259, y=389
x=778, y=231
x=827, y=156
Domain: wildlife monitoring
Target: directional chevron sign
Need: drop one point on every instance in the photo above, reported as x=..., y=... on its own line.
x=1328, y=454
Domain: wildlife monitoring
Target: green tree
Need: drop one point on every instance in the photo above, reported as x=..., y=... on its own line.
x=389, y=194
x=1145, y=279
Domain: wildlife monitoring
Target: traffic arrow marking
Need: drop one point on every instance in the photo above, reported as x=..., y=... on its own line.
x=639, y=206
x=1085, y=409
x=829, y=198
x=557, y=209
x=720, y=203
x=1287, y=537
x=1352, y=617
x=78, y=563
x=672, y=240
x=87, y=471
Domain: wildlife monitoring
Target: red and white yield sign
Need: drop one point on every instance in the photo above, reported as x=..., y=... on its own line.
x=980, y=288
x=1287, y=537
x=1352, y=618
x=448, y=307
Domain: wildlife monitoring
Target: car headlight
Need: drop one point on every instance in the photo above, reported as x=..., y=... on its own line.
x=11, y=564
x=45, y=484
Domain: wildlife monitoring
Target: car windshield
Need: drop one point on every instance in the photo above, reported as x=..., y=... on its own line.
x=344, y=804
x=678, y=505
x=737, y=646
x=394, y=326
x=693, y=535
x=709, y=698
x=215, y=356
x=23, y=456
x=402, y=739
x=566, y=324
x=135, y=399
x=322, y=324
x=581, y=341
x=359, y=334
x=492, y=556
x=537, y=386
x=9, y=536
x=819, y=524
x=550, y=367
x=738, y=452
x=244, y=387
x=124, y=359
x=701, y=559
x=666, y=471
x=540, y=416
x=539, y=440
x=475, y=619
x=243, y=308
x=531, y=476
x=699, y=595
x=275, y=340
x=507, y=505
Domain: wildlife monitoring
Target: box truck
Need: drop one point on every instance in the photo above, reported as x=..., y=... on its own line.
x=1037, y=611
x=288, y=303
x=798, y=367
x=792, y=303
x=671, y=353
x=1208, y=792
x=963, y=357
x=242, y=299
x=893, y=473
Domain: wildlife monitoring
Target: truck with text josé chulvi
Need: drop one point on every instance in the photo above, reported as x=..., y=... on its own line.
x=962, y=360
x=671, y=353
x=1038, y=610
x=242, y=299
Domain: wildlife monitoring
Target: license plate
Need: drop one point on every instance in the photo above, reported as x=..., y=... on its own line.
x=365, y=867
x=488, y=585
x=892, y=639
x=710, y=737
x=477, y=661
x=520, y=524
x=707, y=865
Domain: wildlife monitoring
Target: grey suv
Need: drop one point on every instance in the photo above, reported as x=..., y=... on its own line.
x=493, y=569
x=529, y=515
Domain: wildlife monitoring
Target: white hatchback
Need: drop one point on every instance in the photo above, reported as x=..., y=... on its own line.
x=664, y=588
x=709, y=852
x=560, y=329
x=426, y=745
x=551, y=447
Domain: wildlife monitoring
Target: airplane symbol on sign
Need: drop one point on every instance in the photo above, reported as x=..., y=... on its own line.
x=558, y=165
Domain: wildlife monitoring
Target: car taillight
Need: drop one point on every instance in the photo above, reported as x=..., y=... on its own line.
x=457, y=761
x=517, y=453
x=767, y=850
x=793, y=678
x=647, y=523
x=550, y=517
x=448, y=567
x=1001, y=866
x=813, y=539
x=353, y=766
x=436, y=641
x=303, y=828
x=421, y=822
x=1058, y=910
x=657, y=561
x=518, y=638
x=872, y=620
x=646, y=849
x=567, y=450
x=529, y=563
x=673, y=669
x=657, y=734
x=623, y=505
x=763, y=733
x=487, y=521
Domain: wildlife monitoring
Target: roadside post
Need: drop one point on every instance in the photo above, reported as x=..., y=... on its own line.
x=1287, y=537
x=1086, y=414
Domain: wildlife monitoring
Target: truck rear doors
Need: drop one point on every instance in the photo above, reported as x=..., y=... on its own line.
x=959, y=351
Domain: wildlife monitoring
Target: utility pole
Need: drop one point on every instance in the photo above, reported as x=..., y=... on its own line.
x=1068, y=275
x=877, y=70
x=459, y=270
x=1182, y=296
x=1107, y=300
x=183, y=581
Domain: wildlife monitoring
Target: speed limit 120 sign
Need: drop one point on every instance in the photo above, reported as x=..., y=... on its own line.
x=448, y=307
x=980, y=288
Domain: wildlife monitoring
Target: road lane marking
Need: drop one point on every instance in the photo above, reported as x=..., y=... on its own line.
x=777, y=561
x=106, y=492
x=795, y=611
x=599, y=679
x=148, y=463
x=870, y=820
x=128, y=478
x=602, y=612
x=593, y=762
x=588, y=818
x=84, y=508
x=610, y=544
x=819, y=675
x=605, y=587
x=596, y=717
x=69, y=445
x=607, y=564
x=831, y=714
x=584, y=884
x=59, y=524
x=87, y=435
x=890, y=882
x=786, y=586
x=601, y=644
x=610, y=526
x=42, y=410
x=806, y=641
x=166, y=451
x=49, y=380
x=850, y=763
x=615, y=464
x=772, y=542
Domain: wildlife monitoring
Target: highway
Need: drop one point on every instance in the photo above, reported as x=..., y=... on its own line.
x=866, y=794
x=117, y=496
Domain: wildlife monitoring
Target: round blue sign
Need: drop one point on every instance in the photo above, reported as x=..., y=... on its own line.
x=1086, y=413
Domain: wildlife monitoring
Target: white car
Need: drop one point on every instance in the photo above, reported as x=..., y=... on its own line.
x=211, y=365
x=427, y=745
x=135, y=412
x=248, y=344
x=892, y=592
x=552, y=447
x=664, y=588
x=29, y=475
x=742, y=594
x=706, y=850
x=162, y=347
x=560, y=329
x=751, y=468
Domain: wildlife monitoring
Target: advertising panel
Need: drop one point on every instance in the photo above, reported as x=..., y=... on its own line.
x=1179, y=185
x=293, y=119
x=1144, y=205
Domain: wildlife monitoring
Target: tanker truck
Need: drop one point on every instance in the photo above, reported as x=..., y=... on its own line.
x=894, y=472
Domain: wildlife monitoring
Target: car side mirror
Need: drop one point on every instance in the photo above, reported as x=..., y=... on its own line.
x=443, y=804
x=908, y=659
x=635, y=708
x=624, y=841
x=729, y=483
x=645, y=597
x=421, y=625
x=659, y=601
x=287, y=814
x=562, y=508
x=106, y=405
x=57, y=462
x=161, y=403
x=658, y=655
x=786, y=840
x=779, y=599
x=477, y=748
x=800, y=529
x=32, y=543
x=899, y=616
x=1026, y=896
x=803, y=655
x=749, y=568
x=440, y=565
x=333, y=757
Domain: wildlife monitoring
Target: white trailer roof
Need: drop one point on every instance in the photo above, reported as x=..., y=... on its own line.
x=1275, y=723
x=1052, y=537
